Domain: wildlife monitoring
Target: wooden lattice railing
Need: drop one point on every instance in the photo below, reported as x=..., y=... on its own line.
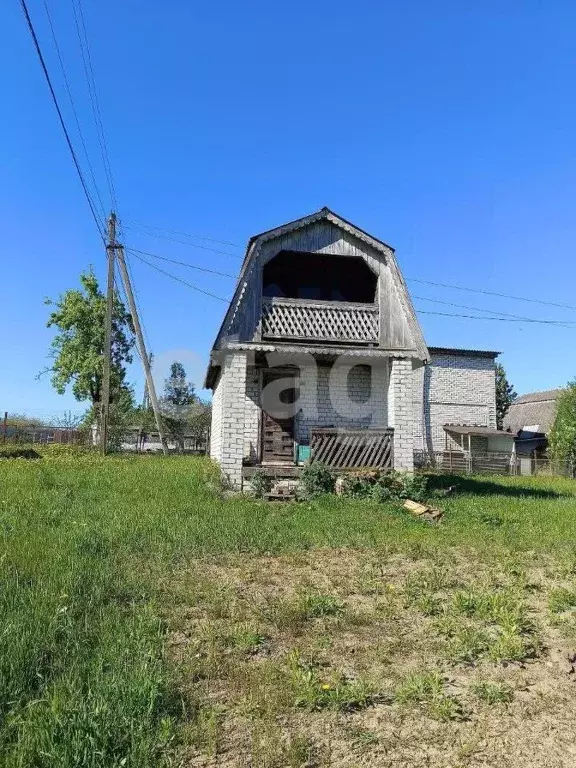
x=319, y=321
x=352, y=448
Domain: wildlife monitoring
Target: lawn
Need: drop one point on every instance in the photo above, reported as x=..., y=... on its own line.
x=150, y=619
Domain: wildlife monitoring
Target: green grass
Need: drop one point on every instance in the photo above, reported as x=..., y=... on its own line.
x=88, y=552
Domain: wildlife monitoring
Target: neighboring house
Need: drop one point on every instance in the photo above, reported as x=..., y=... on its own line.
x=530, y=418
x=320, y=350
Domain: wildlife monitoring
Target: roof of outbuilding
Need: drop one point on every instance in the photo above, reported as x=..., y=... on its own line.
x=536, y=409
x=463, y=352
x=460, y=429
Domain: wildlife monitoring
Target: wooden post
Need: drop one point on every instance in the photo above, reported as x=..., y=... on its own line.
x=5, y=427
x=107, y=352
x=141, y=346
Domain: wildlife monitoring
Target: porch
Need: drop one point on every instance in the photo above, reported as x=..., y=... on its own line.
x=343, y=410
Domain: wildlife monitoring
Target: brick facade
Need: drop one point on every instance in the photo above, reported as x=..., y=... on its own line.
x=351, y=396
x=401, y=412
x=454, y=388
x=229, y=417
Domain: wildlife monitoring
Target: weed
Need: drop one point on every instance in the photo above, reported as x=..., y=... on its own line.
x=313, y=690
x=315, y=606
x=562, y=599
x=492, y=692
x=246, y=638
x=467, y=644
x=427, y=689
x=260, y=482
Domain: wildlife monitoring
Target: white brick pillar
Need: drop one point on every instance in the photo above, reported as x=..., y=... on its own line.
x=400, y=412
x=232, y=419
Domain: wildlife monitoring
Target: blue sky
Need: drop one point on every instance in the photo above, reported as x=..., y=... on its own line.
x=446, y=129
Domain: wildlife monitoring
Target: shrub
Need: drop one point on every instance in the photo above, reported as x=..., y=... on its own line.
x=317, y=479
x=261, y=483
x=18, y=452
x=385, y=486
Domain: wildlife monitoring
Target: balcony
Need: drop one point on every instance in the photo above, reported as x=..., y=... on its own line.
x=319, y=321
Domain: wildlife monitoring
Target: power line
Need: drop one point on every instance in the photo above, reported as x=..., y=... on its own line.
x=183, y=242
x=60, y=117
x=93, y=94
x=480, y=317
x=187, y=234
x=179, y=280
x=565, y=323
x=182, y=263
x=491, y=293
x=74, y=112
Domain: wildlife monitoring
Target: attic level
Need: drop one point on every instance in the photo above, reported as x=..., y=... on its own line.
x=321, y=281
x=319, y=277
x=320, y=298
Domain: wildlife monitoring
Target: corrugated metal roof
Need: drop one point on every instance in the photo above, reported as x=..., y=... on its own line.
x=461, y=429
x=463, y=352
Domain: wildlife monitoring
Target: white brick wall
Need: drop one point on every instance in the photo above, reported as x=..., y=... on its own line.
x=351, y=397
x=228, y=416
x=216, y=427
x=452, y=389
x=401, y=412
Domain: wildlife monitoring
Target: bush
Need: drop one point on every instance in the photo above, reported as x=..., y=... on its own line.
x=317, y=479
x=385, y=486
x=18, y=452
x=260, y=483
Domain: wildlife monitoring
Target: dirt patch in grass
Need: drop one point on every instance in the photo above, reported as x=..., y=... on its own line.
x=353, y=658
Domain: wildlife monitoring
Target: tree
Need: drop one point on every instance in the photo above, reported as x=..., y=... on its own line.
x=562, y=437
x=177, y=391
x=78, y=346
x=505, y=395
x=176, y=404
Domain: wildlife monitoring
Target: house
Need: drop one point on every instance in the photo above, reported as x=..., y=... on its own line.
x=320, y=353
x=530, y=418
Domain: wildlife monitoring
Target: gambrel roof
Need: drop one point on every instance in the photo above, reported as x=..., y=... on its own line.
x=385, y=251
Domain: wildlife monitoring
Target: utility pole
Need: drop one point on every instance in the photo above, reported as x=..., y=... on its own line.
x=107, y=354
x=146, y=398
x=141, y=346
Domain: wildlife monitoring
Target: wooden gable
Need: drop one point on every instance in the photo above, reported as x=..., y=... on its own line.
x=325, y=233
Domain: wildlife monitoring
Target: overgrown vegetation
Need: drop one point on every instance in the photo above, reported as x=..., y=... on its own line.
x=148, y=621
x=317, y=479
x=562, y=438
x=383, y=486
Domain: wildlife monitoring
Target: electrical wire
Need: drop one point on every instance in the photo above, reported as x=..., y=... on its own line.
x=187, y=234
x=179, y=280
x=183, y=242
x=479, y=317
x=74, y=111
x=93, y=95
x=565, y=323
x=181, y=263
x=61, y=118
x=490, y=293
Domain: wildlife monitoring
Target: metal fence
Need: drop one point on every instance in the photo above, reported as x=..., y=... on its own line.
x=491, y=463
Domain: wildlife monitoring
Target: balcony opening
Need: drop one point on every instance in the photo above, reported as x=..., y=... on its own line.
x=319, y=277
